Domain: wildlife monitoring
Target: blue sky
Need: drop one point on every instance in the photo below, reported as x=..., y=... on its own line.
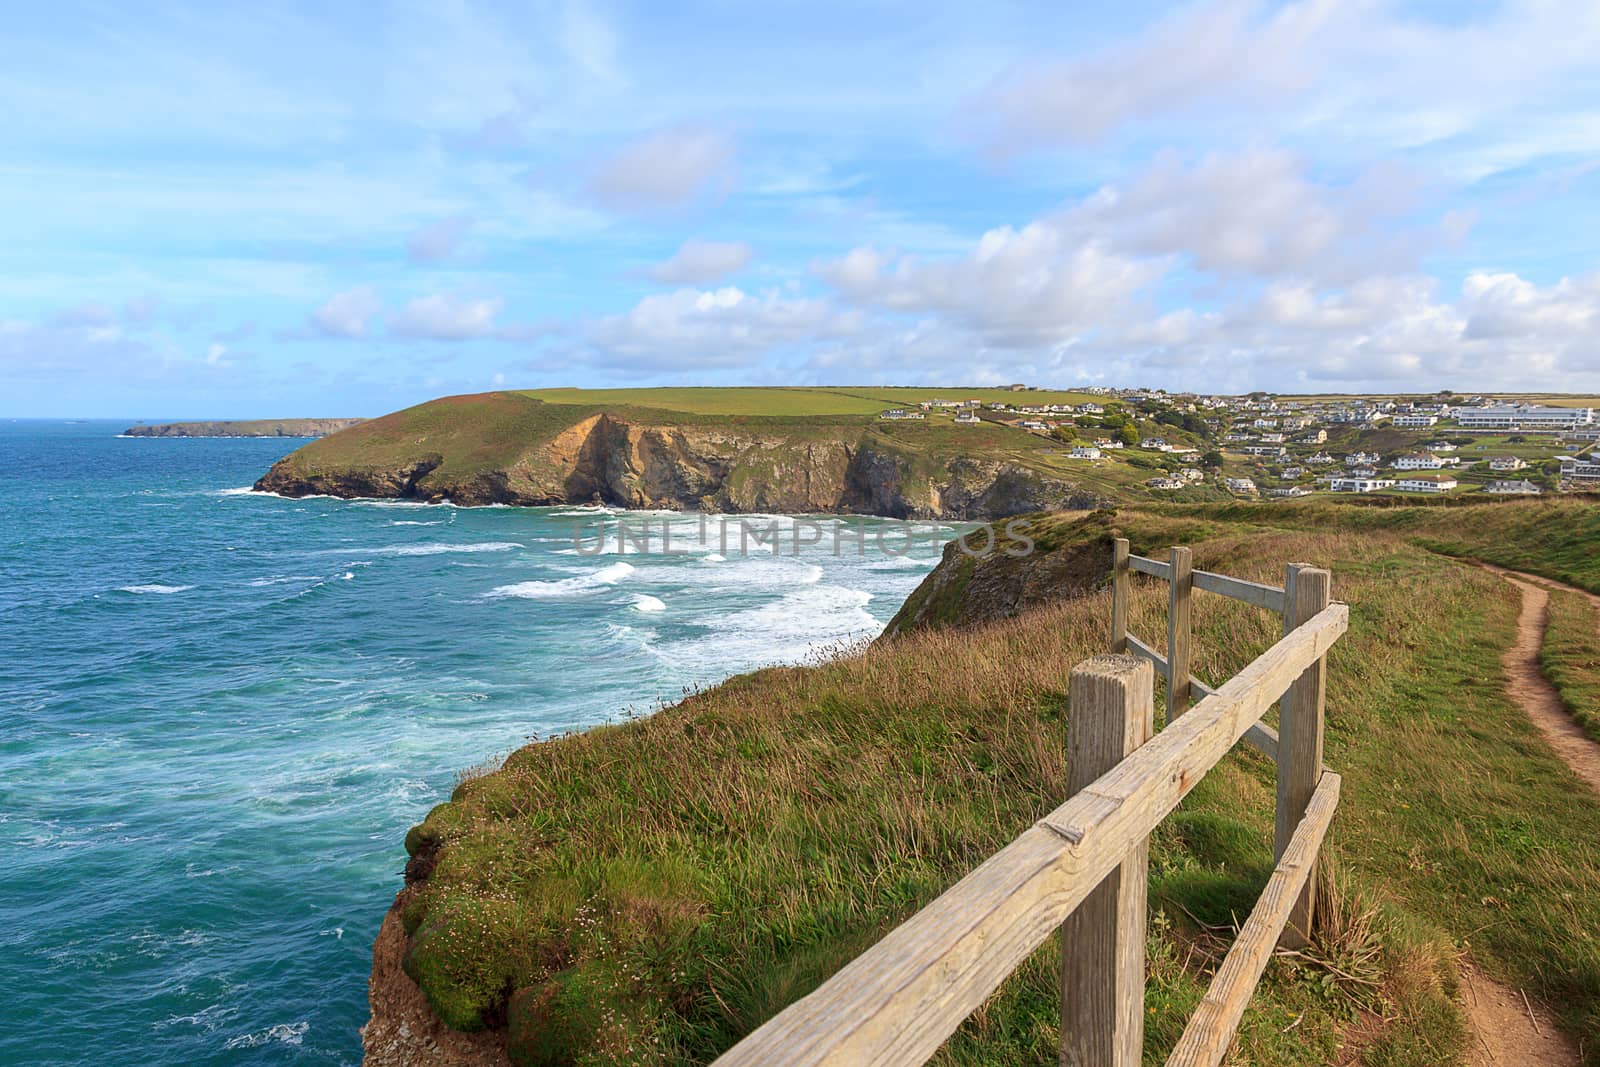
x=344, y=209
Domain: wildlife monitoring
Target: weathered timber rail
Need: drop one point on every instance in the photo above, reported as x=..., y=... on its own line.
x=1082, y=870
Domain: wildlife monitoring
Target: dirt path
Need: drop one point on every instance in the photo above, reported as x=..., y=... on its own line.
x=1508, y=1029
x=1528, y=687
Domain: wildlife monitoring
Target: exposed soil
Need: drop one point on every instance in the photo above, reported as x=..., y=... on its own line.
x=403, y=1030
x=1528, y=686
x=1508, y=1030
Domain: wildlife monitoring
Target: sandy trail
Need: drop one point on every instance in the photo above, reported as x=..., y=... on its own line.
x=1508, y=1030
x=1527, y=685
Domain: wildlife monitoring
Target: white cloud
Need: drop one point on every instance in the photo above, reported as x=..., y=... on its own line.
x=700, y=262
x=1209, y=50
x=441, y=317
x=1016, y=288
x=716, y=328
x=348, y=314
x=665, y=170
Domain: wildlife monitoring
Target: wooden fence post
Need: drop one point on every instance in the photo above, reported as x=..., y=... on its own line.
x=1300, y=720
x=1119, y=595
x=1182, y=583
x=1111, y=712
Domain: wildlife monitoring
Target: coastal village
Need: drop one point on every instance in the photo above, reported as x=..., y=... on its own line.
x=1188, y=446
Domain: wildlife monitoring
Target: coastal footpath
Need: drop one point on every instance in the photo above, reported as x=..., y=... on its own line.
x=243, y=428
x=510, y=448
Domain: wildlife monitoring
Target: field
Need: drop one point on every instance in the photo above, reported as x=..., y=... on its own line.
x=795, y=401
x=669, y=883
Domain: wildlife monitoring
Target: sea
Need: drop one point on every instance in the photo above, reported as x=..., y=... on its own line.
x=220, y=711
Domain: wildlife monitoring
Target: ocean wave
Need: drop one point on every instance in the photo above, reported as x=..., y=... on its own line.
x=563, y=587
x=279, y=579
x=417, y=522
x=433, y=548
x=646, y=602
x=242, y=490
x=283, y=1033
x=715, y=557
x=154, y=588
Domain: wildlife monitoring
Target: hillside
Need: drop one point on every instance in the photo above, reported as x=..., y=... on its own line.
x=666, y=884
x=243, y=428
x=517, y=448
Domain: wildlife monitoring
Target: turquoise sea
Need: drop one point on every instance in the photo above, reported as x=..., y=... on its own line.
x=220, y=711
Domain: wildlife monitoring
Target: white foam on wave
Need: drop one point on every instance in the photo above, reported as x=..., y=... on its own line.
x=243, y=490
x=281, y=578
x=433, y=548
x=417, y=522
x=715, y=557
x=785, y=629
x=154, y=588
x=282, y=1033
x=577, y=585
x=646, y=602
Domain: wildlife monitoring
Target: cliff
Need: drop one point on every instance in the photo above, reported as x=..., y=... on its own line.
x=243, y=428
x=507, y=448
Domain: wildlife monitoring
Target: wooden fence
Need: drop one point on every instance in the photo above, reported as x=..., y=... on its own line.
x=1082, y=869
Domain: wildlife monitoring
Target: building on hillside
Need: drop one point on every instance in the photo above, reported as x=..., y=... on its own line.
x=1352, y=484
x=1426, y=483
x=895, y=414
x=1524, y=417
x=1109, y=443
x=1091, y=409
x=1411, y=422
x=1192, y=474
x=1291, y=474
x=1362, y=459
x=1580, y=473
x=1523, y=487
x=1085, y=452
x=1239, y=485
x=1165, y=483
x=1418, y=461
x=1155, y=444
x=1315, y=437
x=1288, y=490
x=1439, y=448
x=1269, y=451
x=967, y=418
x=1318, y=459
x=1507, y=463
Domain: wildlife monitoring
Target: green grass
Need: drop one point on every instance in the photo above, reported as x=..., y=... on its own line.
x=1554, y=537
x=755, y=400
x=669, y=883
x=1570, y=656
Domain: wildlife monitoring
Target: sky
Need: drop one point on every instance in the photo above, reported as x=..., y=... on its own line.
x=275, y=210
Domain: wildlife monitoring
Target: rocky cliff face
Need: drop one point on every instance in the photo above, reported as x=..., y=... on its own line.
x=625, y=462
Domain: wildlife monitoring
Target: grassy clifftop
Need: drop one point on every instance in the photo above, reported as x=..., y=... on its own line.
x=664, y=885
x=713, y=450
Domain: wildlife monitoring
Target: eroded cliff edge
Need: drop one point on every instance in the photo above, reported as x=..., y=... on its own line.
x=505, y=448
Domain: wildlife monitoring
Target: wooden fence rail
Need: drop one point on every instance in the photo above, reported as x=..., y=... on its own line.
x=1082, y=869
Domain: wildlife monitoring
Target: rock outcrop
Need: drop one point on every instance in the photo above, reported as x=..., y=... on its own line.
x=523, y=452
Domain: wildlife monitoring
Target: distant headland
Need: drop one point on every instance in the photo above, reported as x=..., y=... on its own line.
x=243, y=428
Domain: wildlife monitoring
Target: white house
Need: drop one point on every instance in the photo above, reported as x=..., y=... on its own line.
x=1239, y=485
x=899, y=413
x=1418, y=461
x=1416, y=421
x=1362, y=459
x=1108, y=443
x=1085, y=452
x=1292, y=473
x=1319, y=459
x=1426, y=483
x=1502, y=487
x=1165, y=483
x=1507, y=463
x=1289, y=490
x=968, y=418
x=1192, y=474
x=1158, y=444
x=1439, y=447
x=1360, y=485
